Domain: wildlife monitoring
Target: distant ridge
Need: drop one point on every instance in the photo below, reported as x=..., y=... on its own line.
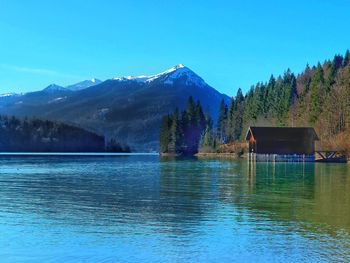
x=84, y=84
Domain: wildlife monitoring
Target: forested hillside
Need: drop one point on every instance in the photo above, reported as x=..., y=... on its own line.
x=34, y=135
x=318, y=97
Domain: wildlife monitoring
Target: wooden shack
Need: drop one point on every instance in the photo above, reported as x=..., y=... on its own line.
x=281, y=141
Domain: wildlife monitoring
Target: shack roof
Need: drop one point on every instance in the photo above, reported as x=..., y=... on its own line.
x=281, y=133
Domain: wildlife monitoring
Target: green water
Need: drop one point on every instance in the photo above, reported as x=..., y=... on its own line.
x=146, y=209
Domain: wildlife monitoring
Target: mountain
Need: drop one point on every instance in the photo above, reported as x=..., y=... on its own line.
x=53, y=88
x=84, y=84
x=129, y=109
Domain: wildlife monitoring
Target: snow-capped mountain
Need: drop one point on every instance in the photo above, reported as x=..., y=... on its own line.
x=127, y=108
x=84, y=84
x=168, y=77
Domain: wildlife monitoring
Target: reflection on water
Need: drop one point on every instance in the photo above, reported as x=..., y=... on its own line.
x=142, y=208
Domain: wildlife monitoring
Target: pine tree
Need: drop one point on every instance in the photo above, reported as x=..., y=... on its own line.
x=288, y=94
x=235, y=117
x=238, y=116
x=207, y=141
x=334, y=66
x=316, y=88
x=222, y=122
x=271, y=98
x=195, y=126
x=165, y=134
x=201, y=119
x=230, y=120
x=191, y=111
x=175, y=133
x=346, y=60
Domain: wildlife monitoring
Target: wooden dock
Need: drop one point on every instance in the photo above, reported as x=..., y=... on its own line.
x=319, y=156
x=330, y=157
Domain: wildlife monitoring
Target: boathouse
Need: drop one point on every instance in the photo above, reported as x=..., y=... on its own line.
x=282, y=143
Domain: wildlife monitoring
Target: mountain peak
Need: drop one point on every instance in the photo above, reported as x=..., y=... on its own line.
x=175, y=68
x=168, y=76
x=187, y=76
x=84, y=84
x=53, y=85
x=178, y=66
x=53, y=88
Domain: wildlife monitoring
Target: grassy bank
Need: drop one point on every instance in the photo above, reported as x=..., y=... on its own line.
x=235, y=150
x=230, y=156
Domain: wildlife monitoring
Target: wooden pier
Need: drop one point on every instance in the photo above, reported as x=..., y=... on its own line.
x=330, y=157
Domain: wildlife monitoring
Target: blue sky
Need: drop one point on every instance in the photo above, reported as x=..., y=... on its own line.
x=230, y=44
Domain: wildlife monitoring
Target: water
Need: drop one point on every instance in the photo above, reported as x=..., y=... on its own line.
x=145, y=209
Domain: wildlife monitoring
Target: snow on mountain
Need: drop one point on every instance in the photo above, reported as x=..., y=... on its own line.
x=133, y=78
x=168, y=76
x=8, y=95
x=84, y=84
x=59, y=99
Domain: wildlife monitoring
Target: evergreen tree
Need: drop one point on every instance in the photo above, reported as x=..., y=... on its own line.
x=201, y=119
x=346, y=60
x=208, y=136
x=165, y=134
x=316, y=88
x=287, y=95
x=175, y=133
x=191, y=111
x=231, y=121
x=238, y=116
x=334, y=66
x=271, y=98
x=222, y=122
x=235, y=117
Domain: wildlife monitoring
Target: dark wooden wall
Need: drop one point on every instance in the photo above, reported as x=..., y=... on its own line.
x=296, y=146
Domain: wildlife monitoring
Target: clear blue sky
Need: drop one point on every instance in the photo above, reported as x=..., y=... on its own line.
x=230, y=44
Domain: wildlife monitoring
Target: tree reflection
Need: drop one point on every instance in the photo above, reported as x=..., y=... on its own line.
x=177, y=195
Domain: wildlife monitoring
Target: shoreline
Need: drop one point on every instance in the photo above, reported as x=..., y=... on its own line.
x=72, y=154
x=232, y=156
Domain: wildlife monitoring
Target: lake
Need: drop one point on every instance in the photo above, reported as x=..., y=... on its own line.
x=147, y=209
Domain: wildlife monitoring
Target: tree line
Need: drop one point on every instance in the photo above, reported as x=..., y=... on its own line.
x=318, y=97
x=181, y=132
x=35, y=135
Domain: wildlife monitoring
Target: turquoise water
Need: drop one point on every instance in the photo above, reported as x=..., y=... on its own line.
x=147, y=209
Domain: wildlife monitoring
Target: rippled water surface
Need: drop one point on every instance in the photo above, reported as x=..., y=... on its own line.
x=145, y=209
